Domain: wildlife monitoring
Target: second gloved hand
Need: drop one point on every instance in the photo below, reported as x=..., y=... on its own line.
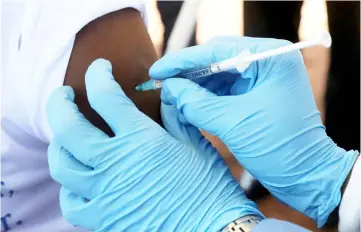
x=266, y=116
x=144, y=178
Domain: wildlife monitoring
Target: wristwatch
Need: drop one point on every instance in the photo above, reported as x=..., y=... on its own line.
x=243, y=224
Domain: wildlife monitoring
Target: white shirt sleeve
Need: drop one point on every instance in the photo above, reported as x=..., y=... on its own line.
x=48, y=34
x=350, y=207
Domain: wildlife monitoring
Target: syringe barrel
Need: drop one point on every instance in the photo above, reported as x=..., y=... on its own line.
x=281, y=50
x=226, y=64
x=194, y=74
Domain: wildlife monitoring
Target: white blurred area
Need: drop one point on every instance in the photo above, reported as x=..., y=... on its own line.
x=226, y=18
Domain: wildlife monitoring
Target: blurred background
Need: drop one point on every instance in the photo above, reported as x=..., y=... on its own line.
x=334, y=73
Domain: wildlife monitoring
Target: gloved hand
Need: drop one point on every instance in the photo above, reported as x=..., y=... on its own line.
x=143, y=179
x=268, y=119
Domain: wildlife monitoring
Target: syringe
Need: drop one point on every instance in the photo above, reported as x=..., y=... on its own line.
x=240, y=62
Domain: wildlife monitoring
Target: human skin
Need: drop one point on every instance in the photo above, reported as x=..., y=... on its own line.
x=122, y=38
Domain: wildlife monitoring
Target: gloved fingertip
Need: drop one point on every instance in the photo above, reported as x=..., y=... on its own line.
x=180, y=92
x=172, y=87
x=164, y=68
x=99, y=66
x=159, y=71
x=100, y=82
x=68, y=93
x=63, y=92
x=166, y=98
x=154, y=71
x=59, y=95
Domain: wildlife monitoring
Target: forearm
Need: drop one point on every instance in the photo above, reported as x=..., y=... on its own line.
x=122, y=38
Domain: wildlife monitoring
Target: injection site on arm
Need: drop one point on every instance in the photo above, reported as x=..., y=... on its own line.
x=240, y=62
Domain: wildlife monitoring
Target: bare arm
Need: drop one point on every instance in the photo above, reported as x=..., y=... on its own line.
x=122, y=38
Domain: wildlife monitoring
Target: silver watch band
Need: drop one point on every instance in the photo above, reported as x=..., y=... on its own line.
x=243, y=224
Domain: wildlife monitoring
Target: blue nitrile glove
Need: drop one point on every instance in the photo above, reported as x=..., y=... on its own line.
x=279, y=226
x=269, y=120
x=143, y=179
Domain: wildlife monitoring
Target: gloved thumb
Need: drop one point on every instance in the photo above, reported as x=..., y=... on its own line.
x=199, y=107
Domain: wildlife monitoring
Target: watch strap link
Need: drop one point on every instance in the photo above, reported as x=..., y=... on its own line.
x=243, y=224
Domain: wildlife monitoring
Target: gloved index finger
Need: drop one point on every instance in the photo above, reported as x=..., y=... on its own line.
x=193, y=58
x=119, y=112
x=72, y=130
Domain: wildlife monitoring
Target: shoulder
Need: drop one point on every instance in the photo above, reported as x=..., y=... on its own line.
x=46, y=41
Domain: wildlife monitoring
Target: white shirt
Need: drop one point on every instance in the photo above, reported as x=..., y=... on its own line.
x=37, y=38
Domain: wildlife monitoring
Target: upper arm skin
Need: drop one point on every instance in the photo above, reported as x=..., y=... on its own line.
x=122, y=38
